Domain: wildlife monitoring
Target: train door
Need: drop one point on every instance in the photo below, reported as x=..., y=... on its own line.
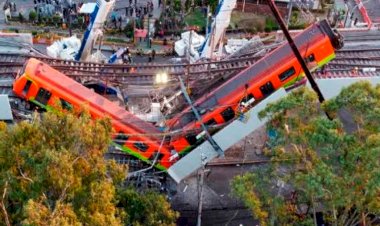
x=43, y=96
x=121, y=138
x=267, y=89
x=26, y=88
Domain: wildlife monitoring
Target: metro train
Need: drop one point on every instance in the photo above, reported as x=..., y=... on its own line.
x=279, y=68
x=44, y=86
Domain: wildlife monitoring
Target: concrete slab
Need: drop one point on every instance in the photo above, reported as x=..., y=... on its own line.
x=5, y=109
x=225, y=138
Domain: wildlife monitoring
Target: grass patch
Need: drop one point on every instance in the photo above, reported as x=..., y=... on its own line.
x=118, y=40
x=247, y=21
x=196, y=18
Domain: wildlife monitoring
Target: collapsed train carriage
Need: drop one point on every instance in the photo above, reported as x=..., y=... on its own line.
x=278, y=69
x=45, y=87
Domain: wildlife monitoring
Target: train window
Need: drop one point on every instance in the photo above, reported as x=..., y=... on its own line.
x=310, y=58
x=286, y=74
x=66, y=105
x=228, y=114
x=247, y=98
x=22, y=71
x=141, y=146
x=121, y=138
x=187, y=118
x=267, y=89
x=43, y=96
x=159, y=157
x=211, y=122
x=26, y=87
x=191, y=138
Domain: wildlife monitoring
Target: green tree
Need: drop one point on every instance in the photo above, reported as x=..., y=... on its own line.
x=270, y=24
x=187, y=5
x=56, y=19
x=177, y=5
x=32, y=16
x=53, y=172
x=146, y=209
x=20, y=17
x=128, y=29
x=317, y=164
x=213, y=4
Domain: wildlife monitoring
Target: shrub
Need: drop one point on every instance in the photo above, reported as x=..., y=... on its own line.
x=267, y=29
x=32, y=16
x=177, y=5
x=270, y=24
x=297, y=26
x=128, y=30
x=20, y=17
x=56, y=19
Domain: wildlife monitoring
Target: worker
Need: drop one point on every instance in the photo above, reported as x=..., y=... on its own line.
x=120, y=22
x=153, y=54
x=130, y=58
x=150, y=40
x=124, y=57
x=355, y=70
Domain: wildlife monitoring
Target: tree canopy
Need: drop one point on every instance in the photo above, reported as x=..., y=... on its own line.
x=317, y=164
x=53, y=172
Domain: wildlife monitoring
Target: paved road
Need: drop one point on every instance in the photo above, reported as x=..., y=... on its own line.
x=373, y=9
x=353, y=13
x=25, y=6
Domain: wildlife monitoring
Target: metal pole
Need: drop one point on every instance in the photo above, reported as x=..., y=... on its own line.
x=314, y=211
x=313, y=84
x=207, y=20
x=198, y=117
x=69, y=11
x=190, y=43
x=200, y=200
x=345, y=19
x=290, y=13
x=133, y=18
x=243, y=6
x=148, y=32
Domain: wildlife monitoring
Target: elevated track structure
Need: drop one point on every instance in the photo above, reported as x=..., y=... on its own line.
x=351, y=64
x=138, y=80
x=144, y=74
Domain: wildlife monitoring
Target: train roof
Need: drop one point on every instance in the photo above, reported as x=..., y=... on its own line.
x=308, y=36
x=70, y=86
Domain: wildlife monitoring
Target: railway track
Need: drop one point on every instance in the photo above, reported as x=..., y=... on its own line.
x=360, y=37
x=139, y=74
x=345, y=73
x=134, y=74
x=144, y=74
x=198, y=74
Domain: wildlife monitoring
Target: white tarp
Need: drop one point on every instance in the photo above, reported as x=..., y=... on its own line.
x=65, y=48
x=182, y=46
